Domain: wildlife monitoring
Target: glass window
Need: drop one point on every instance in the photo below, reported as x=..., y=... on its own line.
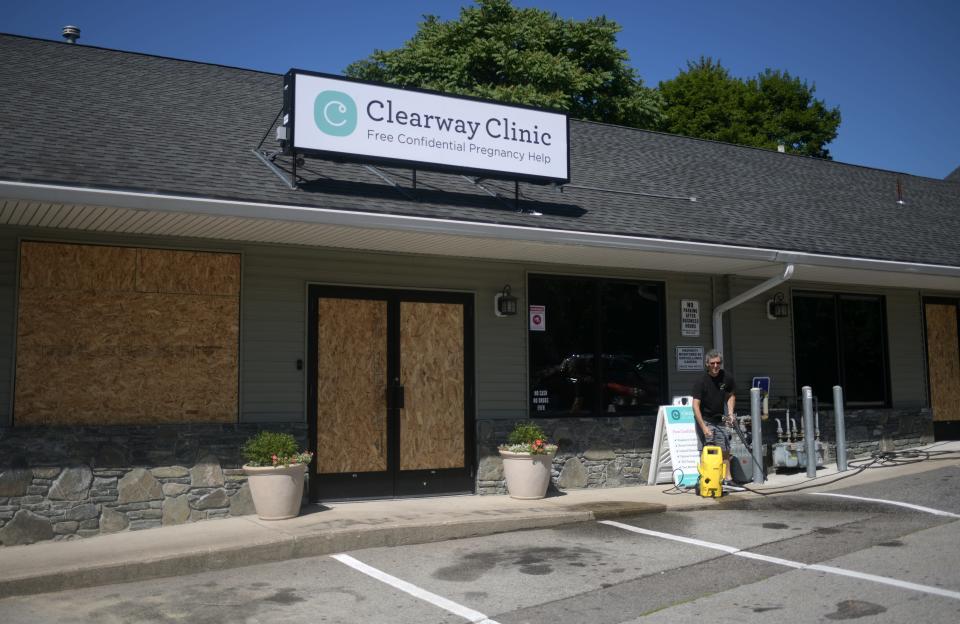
x=600, y=351
x=840, y=339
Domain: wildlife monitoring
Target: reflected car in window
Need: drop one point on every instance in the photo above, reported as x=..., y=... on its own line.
x=627, y=384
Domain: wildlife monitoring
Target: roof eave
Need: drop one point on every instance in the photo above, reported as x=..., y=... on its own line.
x=764, y=261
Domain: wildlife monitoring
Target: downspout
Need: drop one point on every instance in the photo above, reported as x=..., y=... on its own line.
x=732, y=303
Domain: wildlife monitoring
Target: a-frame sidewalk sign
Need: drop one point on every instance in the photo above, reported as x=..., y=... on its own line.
x=676, y=460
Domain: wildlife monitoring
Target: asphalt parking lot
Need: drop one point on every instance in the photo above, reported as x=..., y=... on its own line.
x=805, y=557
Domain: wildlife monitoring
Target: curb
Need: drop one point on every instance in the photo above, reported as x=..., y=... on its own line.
x=283, y=547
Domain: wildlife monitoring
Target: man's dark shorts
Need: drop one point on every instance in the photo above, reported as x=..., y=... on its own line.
x=719, y=436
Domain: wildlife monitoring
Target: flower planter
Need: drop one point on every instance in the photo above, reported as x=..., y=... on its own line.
x=527, y=475
x=277, y=491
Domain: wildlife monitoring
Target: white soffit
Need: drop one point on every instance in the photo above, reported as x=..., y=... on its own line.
x=141, y=222
x=211, y=219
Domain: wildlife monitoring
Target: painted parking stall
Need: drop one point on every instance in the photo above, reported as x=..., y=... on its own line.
x=730, y=550
x=417, y=592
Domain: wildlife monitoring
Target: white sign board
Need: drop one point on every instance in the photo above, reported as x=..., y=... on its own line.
x=335, y=117
x=681, y=426
x=541, y=399
x=689, y=358
x=538, y=318
x=689, y=318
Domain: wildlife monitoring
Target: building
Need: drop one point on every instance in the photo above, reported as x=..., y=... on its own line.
x=166, y=291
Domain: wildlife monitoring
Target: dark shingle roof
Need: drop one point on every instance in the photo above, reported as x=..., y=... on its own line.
x=83, y=116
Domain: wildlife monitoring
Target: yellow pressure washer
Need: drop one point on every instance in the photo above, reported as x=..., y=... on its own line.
x=711, y=471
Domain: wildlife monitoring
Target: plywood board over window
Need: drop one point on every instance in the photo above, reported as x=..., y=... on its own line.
x=943, y=345
x=351, y=385
x=123, y=335
x=431, y=360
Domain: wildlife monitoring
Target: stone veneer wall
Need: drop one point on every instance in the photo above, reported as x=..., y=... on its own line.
x=69, y=482
x=594, y=452
x=872, y=430
x=615, y=451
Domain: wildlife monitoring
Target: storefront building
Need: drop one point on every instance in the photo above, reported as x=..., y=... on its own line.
x=172, y=279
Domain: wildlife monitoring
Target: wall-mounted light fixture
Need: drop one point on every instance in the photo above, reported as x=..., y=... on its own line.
x=505, y=304
x=777, y=307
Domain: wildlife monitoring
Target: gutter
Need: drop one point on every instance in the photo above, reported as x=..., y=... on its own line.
x=58, y=194
x=745, y=296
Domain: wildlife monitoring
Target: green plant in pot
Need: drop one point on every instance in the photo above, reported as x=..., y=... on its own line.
x=275, y=472
x=527, y=461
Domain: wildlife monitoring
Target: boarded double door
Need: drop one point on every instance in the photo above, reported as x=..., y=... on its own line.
x=391, y=392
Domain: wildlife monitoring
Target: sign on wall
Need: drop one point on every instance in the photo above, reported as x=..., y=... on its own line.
x=689, y=358
x=689, y=318
x=335, y=117
x=538, y=318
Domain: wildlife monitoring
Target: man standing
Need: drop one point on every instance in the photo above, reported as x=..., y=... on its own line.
x=711, y=392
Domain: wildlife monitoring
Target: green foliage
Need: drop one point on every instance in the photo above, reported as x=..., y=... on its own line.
x=528, y=437
x=269, y=448
x=530, y=56
x=526, y=56
x=774, y=107
x=525, y=433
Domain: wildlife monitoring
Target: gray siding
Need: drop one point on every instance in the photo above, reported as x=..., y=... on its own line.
x=274, y=308
x=274, y=315
x=762, y=347
x=765, y=347
x=907, y=356
x=681, y=287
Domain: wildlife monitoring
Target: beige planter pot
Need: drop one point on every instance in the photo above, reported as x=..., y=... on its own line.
x=527, y=475
x=276, y=491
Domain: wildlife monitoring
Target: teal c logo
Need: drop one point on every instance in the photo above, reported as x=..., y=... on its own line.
x=335, y=113
x=675, y=414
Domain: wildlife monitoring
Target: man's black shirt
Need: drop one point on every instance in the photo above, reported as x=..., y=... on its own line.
x=713, y=392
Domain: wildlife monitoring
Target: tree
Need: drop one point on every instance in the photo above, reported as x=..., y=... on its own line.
x=774, y=107
x=526, y=56
x=785, y=111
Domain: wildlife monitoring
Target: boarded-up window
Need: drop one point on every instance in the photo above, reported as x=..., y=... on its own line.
x=121, y=335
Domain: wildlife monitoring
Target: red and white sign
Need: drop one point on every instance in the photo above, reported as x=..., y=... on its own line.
x=538, y=318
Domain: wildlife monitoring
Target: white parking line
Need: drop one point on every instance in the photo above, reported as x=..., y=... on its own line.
x=930, y=510
x=928, y=589
x=417, y=592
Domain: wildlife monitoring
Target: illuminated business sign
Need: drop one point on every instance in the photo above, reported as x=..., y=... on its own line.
x=332, y=117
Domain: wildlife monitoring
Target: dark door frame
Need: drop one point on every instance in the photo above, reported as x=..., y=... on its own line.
x=393, y=482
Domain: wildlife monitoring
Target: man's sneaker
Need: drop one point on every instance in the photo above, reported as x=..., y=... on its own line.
x=732, y=487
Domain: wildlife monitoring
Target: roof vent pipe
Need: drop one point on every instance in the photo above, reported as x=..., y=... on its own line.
x=71, y=33
x=746, y=296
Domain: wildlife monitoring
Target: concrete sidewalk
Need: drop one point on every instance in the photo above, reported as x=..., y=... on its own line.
x=341, y=527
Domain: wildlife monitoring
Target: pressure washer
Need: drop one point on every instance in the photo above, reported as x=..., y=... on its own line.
x=711, y=471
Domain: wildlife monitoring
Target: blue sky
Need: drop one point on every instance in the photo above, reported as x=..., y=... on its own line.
x=892, y=67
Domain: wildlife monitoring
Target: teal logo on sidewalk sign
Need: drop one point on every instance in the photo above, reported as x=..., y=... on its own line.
x=335, y=113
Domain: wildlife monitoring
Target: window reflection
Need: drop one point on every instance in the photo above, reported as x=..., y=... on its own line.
x=600, y=353
x=840, y=339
